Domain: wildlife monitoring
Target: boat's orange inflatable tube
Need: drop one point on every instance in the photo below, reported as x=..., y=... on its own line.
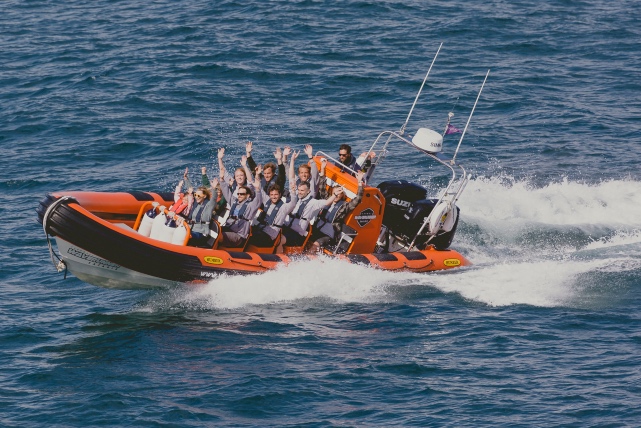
x=94, y=224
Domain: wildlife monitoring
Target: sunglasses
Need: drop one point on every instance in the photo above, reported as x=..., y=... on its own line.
x=242, y=194
x=199, y=196
x=342, y=154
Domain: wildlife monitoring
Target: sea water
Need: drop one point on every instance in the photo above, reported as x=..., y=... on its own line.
x=543, y=330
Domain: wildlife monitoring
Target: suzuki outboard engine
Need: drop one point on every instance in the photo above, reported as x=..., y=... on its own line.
x=406, y=210
x=399, y=196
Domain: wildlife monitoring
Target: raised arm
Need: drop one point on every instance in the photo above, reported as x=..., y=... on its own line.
x=221, y=165
x=292, y=169
x=256, y=184
x=177, y=190
x=214, y=184
x=337, y=192
x=278, y=155
x=248, y=173
x=190, y=203
x=321, y=173
x=281, y=174
x=259, y=193
x=322, y=185
x=309, y=151
x=364, y=161
x=203, y=177
x=286, y=151
x=288, y=207
x=224, y=175
x=314, y=178
x=249, y=146
x=224, y=187
x=351, y=205
x=186, y=178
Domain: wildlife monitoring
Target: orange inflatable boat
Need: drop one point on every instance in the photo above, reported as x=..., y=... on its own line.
x=99, y=236
x=104, y=238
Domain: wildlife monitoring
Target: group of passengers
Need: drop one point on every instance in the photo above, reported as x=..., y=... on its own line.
x=254, y=187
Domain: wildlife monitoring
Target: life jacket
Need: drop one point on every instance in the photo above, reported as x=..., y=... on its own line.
x=328, y=215
x=241, y=211
x=265, y=184
x=299, y=212
x=326, y=219
x=351, y=164
x=269, y=219
x=180, y=205
x=198, y=210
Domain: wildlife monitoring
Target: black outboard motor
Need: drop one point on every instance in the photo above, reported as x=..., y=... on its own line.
x=406, y=209
x=399, y=196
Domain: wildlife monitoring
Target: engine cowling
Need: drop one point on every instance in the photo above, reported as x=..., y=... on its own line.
x=405, y=212
x=399, y=197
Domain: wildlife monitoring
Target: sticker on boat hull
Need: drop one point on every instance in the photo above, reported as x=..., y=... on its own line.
x=365, y=217
x=92, y=260
x=208, y=274
x=213, y=260
x=451, y=262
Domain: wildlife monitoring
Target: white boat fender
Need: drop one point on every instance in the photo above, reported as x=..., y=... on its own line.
x=180, y=233
x=167, y=229
x=147, y=220
x=442, y=218
x=158, y=223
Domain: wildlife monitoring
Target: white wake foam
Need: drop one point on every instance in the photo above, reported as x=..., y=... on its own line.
x=621, y=238
x=322, y=279
x=321, y=282
x=540, y=283
x=500, y=201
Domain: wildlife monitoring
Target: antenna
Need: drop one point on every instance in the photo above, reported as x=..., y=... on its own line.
x=419, y=91
x=469, y=118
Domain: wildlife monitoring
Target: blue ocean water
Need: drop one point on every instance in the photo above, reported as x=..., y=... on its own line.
x=543, y=330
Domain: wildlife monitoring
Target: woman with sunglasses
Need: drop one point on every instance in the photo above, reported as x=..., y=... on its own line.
x=200, y=216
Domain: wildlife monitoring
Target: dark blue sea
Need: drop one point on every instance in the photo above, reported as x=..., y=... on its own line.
x=543, y=330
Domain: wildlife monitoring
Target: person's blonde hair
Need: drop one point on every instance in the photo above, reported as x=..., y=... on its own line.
x=206, y=191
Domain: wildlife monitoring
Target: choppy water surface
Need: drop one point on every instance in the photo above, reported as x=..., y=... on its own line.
x=543, y=330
